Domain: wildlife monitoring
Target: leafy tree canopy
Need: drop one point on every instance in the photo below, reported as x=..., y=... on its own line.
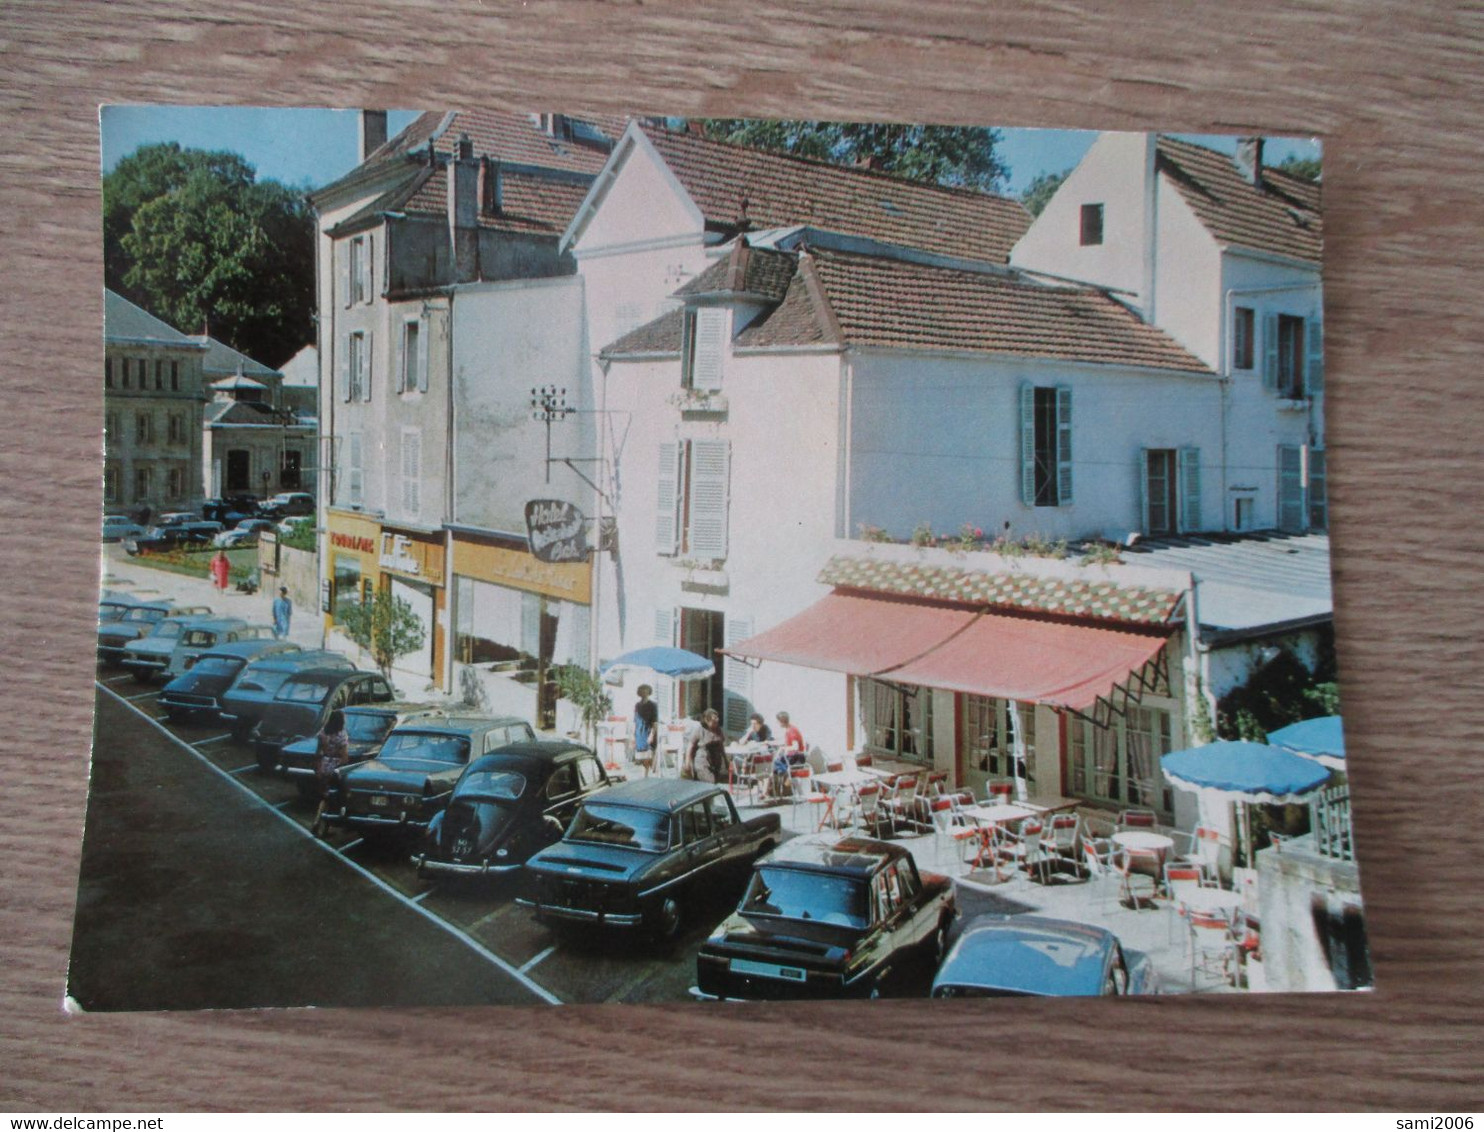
x=386, y=626
x=1306, y=168
x=195, y=239
x=945, y=155
x=1039, y=191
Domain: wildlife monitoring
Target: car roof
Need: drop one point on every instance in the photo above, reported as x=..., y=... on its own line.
x=325, y=675
x=658, y=793
x=1034, y=954
x=239, y=649
x=858, y=856
x=217, y=623
x=394, y=707
x=538, y=750
x=309, y=660
x=459, y=724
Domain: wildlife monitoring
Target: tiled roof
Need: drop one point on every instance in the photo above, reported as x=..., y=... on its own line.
x=660, y=336
x=1282, y=215
x=529, y=202
x=741, y=188
x=746, y=271
x=1069, y=597
x=508, y=136
x=122, y=319
x=221, y=358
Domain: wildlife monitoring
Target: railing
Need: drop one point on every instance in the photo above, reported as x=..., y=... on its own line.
x=1329, y=821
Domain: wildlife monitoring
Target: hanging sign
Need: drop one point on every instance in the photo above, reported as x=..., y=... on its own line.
x=556, y=530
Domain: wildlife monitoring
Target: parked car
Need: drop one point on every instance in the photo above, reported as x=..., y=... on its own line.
x=305, y=701
x=149, y=656
x=260, y=681
x=636, y=855
x=287, y=503
x=507, y=805
x=177, y=519
x=294, y=523
x=116, y=527
x=1030, y=955
x=230, y=510
x=244, y=533
x=114, y=636
x=186, y=534
x=413, y=774
x=198, y=691
x=846, y=919
x=204, y=635
x=112, y=605
x=366, y=729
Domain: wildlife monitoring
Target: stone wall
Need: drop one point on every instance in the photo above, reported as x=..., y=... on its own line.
x=1313, y=937
x=280, y=565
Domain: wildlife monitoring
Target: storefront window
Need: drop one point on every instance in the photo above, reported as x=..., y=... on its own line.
x=989, y=739
x=347, y=582
x=897, y=719
x=1119, y=763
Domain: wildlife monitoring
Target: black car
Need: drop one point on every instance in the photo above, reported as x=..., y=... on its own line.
x=509, y=804
x=411, y=778
x=197, y=692
x=366, y=729
x=636, y=855
x=230, y=510
x=305, y=701
x=244, y=702
x=171, y=538
x=847, y=919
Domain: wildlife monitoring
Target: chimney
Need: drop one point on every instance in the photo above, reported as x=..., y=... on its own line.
x=1248, y=160
x=463, y=211
x=491, y=187
x=373, y=131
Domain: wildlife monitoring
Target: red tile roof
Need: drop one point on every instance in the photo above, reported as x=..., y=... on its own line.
x=741, y=188
x=1282, y=215
x=745, y=271
x=529, y=202
x=508, y=136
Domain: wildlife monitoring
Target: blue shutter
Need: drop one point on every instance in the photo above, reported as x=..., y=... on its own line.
x=1063, y=446
x=1190, y=489
x=1314, y=356
x=1318, y=491
x=1290, y=488
x=1028, y=444
x=1141, y=469
x=667, y=504
x=710, y=460
x=1270, y=351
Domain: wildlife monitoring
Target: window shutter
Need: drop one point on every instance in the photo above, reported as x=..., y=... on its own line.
x=1141, y=469
x=1190, y=489
x=711, y=341
x=667, y=505
x=423, y=329
x=345, y=255
x=353, y=479
x=708, y=498
x=1028, y=444
x=1314, y=356
x=1270, y=351
x=368, y=271
x=412, y=460
x=344, y=375
x=1063, y=445
x=399, y=361
x=366, y=367
x=664, y=627
x=736, y=678
x=1318, y=491
x=1290, y=488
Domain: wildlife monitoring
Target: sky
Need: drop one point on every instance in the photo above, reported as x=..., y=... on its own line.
x=308, y=148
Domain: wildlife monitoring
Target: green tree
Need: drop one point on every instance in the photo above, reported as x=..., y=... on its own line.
x=1039, y=191
x=386, y=626
x=589, y=695
x=1305, y=168
x=945, y=155
x=195, y=239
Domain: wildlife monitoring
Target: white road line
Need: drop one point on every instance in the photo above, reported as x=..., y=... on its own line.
x=141, y=696
x=156, y=718
x=468, y=941
x=280, y=805
x=213, y=739
x=421, y=896
x=238, y=769
x=349, y=845
x=116, y=679
x=526, y=966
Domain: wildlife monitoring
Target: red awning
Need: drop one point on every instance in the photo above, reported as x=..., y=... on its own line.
x=1003, y=655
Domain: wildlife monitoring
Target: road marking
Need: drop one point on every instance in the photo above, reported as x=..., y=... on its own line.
x=280, y=805
x=116, y=679
x=421, y=896
x=156, y=718
x=141, y=696
x=526, y=966
x=349, y=845
x=213, y=739
x=235, y=769
x=479, y=923
x=463, y=937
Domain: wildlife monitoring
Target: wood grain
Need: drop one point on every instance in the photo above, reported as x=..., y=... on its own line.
x=1395, y=90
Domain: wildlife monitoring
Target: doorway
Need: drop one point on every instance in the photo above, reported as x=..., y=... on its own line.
x=701, y=633
x=239, y=470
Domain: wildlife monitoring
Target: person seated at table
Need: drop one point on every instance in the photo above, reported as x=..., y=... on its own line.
x=791, y=755
x=757, y=731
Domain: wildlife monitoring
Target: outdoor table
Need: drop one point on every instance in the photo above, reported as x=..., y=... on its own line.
x=1050, y=804
x=847, y=779
x=989, y=818
x=1143, y=839
x=1218, y=902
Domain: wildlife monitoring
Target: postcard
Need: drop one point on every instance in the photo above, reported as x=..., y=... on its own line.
x=559, y=558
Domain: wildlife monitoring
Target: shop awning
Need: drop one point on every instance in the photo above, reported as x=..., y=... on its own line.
x=1003, y=655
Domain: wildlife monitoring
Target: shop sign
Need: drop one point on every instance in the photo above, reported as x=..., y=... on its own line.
x=396, y=554
x=359, y=543
x=556, y=530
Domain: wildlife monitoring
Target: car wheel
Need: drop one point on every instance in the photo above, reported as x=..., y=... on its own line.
x=940, y=944
x=667, y=918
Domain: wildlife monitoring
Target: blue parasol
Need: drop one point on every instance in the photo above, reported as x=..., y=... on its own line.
x=678, y=664
x=1322, y=740
x=1240, y=771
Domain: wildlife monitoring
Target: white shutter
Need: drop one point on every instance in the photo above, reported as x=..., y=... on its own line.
x=1314, y=356
x=711, y=341
x=1063, y=446
x=424, y=328
x=1028, y=444
x=708, y=498
x=1270, y=351
x=412, y=470
x=1141, y=469
x=1290, y=488
x=667, y=504
x=664, y=627
x=736, y=678
x=353, y=479
x=342, y=251
x=399, y=360
x=368, y=271
x=367, y=368
x=344, y=369
x=1190, y=489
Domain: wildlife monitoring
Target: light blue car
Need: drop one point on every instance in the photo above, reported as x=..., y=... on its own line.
x=1030, y=955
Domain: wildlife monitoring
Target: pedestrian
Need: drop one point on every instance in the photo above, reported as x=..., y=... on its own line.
x=646, y=720
x=707, y=752
x=332, y=751
x=221, y=570
x=283, y=611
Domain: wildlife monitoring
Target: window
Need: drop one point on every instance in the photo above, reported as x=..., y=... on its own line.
x=358, y=281
x=1318, y=492
x=1244, y=327
x=1045, y=446
x=111, y=483
x=143, y=484
x=1290, y=356
x=346, y=582
x=1291, y=506
x=290, y=476
x=177, y=426
x=355, y=367
x=589, y=773
x=1092, y=225
x=111, y=426
x=124, y=369
x=1170, y=485
x=692, y=498
x=989, y=737
x=175, y=483
x=144, y=428
x=695, y=824
x=898, y=720
x=562, y=783
x=412, y=471
x=412, y=367
x=159, y=373
x=1293, y=356
x=107, y=373
x=354, y=478
x=704, y=337
x=1119, y=764
x=1243, y=514
x=175, y=377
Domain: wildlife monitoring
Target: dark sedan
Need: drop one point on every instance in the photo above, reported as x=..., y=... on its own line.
x=636, y=855
x=508, y=805
x=366, y=729
x=244, y=702
x=849, y=919
x=305, y=701
x=197, y=692
x=1030, y=955
x=411, y=778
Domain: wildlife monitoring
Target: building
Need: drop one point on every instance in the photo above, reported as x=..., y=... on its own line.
x=253, y=443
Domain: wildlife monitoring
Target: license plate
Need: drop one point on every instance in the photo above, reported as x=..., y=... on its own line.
x=768, y=970
x=380, y=801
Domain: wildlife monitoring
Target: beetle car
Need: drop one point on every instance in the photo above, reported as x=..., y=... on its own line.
x=306, y=700
x=253, y=690
x=1030, y=955
x=509, y=804
x=844, y=919
x=636, y=855
x=413, y=774
x=366, y=729
x=198, y=691
x=138, y=621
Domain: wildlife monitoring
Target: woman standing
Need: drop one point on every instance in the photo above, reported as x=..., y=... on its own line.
x=646, y=719
x=332, y=751
x=221, y=570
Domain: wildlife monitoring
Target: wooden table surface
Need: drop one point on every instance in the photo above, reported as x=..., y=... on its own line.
x=1395, y=88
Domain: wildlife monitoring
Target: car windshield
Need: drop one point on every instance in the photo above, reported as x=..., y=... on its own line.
x=200, y=638
x=499, y=785
x=149, y=616
x=166, y=629
x=304, y=692
x=218, y=665
x=367, y=728
x=622, y=825
x=799, y=895
x=451, y=749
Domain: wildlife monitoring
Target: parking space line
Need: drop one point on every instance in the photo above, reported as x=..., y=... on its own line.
x=281, y=805
x=239, y=769
x=141, y=696
x=467, y=940
x=213, y=739
x=529, y=963
x=156, y=718
x=117, y=679
x=349, y=845
x=421, y=896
